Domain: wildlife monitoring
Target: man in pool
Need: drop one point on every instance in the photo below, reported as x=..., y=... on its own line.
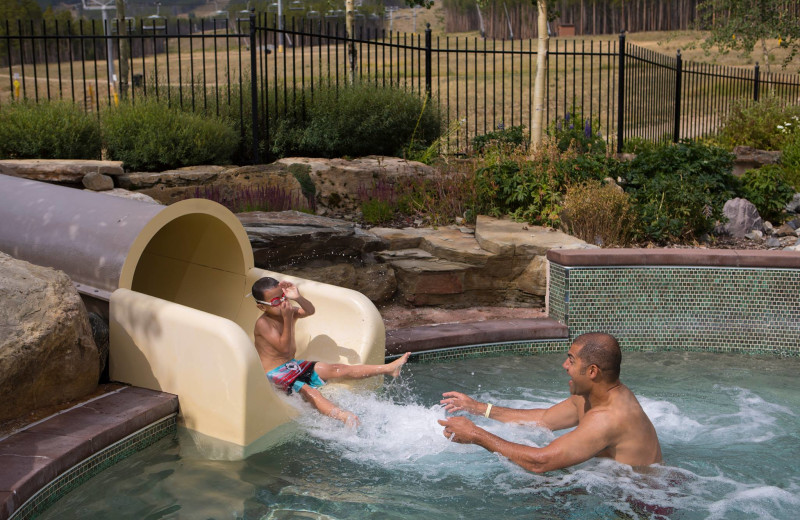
x=274, y=341
x=610, y=421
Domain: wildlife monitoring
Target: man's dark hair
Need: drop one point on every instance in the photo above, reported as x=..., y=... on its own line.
x=601, y=349
x=263, y=285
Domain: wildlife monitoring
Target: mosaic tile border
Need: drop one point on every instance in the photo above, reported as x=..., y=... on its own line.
x=746, y=310
x=508, y=348
x=88, y=468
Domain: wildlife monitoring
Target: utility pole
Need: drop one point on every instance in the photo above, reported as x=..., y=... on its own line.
x=104, y=6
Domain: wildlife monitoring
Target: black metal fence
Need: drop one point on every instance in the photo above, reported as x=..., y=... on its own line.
x=249, y=69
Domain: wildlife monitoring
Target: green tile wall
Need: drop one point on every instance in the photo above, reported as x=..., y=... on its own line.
x=517, y=348
x=750, y=310
x=80, y=473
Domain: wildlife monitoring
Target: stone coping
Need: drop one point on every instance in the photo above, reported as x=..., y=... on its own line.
x=432, y=337
x=675, y=257
x=36, y=455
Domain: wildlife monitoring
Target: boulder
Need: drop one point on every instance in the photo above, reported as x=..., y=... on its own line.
x=742, y=218
x=47, y=354
x=338, y=182
x=749, y=158
x=97, y=182
x=793, y=206
x=68, y=171
x=287, y=238
x=376, y=281
x=218, y=183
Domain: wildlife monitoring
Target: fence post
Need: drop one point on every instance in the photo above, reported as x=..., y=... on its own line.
x=428, y=66
x=254, y=84
x=621, y=92
x=678, y=70
x=756, y=83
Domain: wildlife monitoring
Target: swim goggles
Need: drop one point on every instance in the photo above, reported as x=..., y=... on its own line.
x=274, y=302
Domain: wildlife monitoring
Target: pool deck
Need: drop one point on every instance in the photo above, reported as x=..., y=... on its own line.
x=35, y=455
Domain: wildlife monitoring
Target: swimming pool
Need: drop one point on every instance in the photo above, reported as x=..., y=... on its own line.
x=729, y=428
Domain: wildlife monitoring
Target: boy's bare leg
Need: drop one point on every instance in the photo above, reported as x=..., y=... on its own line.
x=328, y=371
x=318, y=401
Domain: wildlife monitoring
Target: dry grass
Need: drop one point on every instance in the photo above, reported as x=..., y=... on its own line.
x=481, y=84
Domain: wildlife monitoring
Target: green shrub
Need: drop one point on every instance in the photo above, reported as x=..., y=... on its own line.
x=768, y=189
x=525, y=188
x=790, y=161
x=441, y=198
x=678, y=190
x=766, y=124
x=354, y=121
x=377, y=211
x=48, y=130
x=151, y=136
x=514, y=136
x=577, y=132
x=598, y=213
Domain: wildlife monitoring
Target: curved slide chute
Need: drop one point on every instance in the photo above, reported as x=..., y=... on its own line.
x=174, y=282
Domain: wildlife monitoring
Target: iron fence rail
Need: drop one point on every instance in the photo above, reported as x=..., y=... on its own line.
x=255, y=68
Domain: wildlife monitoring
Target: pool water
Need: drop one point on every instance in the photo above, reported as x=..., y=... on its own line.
x=729, y=428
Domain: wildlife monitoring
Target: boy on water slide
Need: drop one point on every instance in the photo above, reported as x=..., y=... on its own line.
x=275, y=343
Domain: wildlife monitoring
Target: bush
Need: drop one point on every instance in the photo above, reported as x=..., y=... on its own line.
x=598, y=213
x=514, y=136
x=790, y=161
x=678, y=190
x=378, y=202
x=766, y=124
x=440, y=199
x=48, y=130
x=768, y=189
x=527, y=189
x=151, y=136
x=355, y=121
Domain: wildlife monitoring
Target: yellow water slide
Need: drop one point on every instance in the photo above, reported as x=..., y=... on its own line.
x=174, y=282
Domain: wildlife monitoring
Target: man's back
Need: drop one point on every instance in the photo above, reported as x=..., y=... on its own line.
x=632, y=438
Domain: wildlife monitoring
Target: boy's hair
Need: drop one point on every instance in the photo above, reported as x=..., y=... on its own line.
x=263, y=285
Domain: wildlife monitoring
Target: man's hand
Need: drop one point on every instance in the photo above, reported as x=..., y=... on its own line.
x=289, y=289
x=456, y=401
x=460, y=429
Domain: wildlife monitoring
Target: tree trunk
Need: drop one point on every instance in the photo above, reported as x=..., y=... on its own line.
x=538, y=85
x=124, y=49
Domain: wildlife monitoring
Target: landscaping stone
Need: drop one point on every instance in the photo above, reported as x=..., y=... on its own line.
x=749, y=158
x=505, y=236
x=794, y=205
x=221, y=182
x=47, y=354
x=785, y=230
x=338, y=181
x=742, y=218
x=68, y=171
x=288, y=238
x=97, y=182
x=127, y=194
x=376, y=281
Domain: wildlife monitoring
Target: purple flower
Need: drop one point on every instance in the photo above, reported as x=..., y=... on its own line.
x=587, y=129
x=566, y=117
